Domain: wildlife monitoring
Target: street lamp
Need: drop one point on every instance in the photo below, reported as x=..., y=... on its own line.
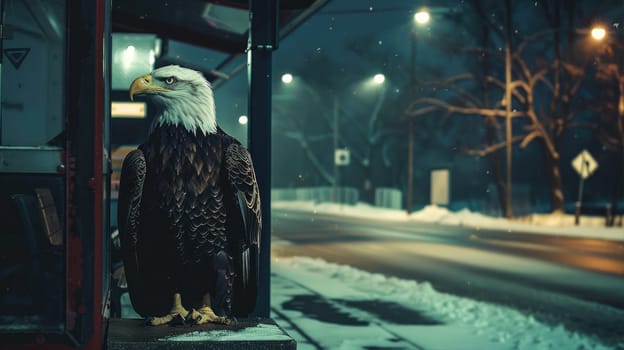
x=287, y=78
x=422, y=17
x=242, y=120
x=379, y=79
x=598, y=33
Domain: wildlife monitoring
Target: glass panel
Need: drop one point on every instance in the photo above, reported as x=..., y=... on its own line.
x=231, y=104
x=31, y=252
x=31, y=139
x=394, y=223
x=133, y=55
x=33, y=73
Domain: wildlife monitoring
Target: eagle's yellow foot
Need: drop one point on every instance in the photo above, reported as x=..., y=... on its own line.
x=206, y=315
x=177, y=314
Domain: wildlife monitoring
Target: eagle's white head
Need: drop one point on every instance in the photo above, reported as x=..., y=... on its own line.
x=182, y=96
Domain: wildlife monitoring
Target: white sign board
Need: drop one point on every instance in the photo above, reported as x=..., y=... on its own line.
x=584, y=164
x=342, y=157
x=440, y=186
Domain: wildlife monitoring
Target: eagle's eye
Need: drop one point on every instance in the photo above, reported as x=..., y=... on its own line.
x=170, y=80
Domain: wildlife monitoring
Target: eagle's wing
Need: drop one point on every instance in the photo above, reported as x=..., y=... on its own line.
x=128, y=212
x=242, y=176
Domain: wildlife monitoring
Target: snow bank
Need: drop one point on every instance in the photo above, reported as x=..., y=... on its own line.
x=465, y=324
x=552, y=224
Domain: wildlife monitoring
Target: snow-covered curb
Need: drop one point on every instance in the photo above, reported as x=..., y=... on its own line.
x=555, y=224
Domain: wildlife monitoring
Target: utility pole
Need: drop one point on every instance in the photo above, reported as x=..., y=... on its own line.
x=409, y=203
x=2, y=31
x=336, y=137
x=410, y=166
x=421, y=17
x=508, y=102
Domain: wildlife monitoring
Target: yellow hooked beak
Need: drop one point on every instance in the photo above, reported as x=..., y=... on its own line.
x=143, y=85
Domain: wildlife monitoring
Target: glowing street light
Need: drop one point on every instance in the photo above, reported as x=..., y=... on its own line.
x=598, y=33
x=379, y=79
x=242, y=120
x=287, y=78
x=422, y=17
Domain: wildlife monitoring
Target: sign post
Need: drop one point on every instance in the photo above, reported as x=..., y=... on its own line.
x=585, y=165
x=342, y=157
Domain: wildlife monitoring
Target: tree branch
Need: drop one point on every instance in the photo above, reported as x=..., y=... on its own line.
x=485, y=112
x=492, y=148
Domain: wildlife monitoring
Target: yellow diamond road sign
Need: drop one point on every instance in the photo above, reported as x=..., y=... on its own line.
x=584, y=164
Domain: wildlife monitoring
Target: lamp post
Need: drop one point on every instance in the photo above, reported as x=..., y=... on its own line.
x=421, y=17
x=508, y=102
x=599, y=33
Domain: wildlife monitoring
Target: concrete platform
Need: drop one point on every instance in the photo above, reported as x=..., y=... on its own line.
x=252, y=334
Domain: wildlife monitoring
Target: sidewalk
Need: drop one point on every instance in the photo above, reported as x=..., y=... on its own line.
x=328, y=306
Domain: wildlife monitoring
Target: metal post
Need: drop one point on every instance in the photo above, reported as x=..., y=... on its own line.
x=336, y=136
x=508, y=102
x=410, y=167
x=262, y=40
x=409, y=203
x=2, y=34
x=577, y=211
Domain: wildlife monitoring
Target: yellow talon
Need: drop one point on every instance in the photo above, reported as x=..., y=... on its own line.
x=176, y=310
x=206, y=315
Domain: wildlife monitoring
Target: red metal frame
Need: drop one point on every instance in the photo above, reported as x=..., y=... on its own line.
x=97, y=184
x=74, y=245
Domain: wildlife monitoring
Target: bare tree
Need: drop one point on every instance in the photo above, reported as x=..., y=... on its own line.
x=535, y=79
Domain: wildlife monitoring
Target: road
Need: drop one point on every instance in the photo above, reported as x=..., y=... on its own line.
x=576, y=282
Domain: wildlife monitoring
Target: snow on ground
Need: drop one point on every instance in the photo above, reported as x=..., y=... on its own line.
x=449, y=322
x=261, y=332
x=553, y=224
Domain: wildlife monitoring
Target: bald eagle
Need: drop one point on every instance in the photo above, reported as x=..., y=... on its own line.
x=189, y=209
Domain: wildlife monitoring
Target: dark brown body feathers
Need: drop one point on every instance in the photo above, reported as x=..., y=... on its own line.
x=178, y=207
